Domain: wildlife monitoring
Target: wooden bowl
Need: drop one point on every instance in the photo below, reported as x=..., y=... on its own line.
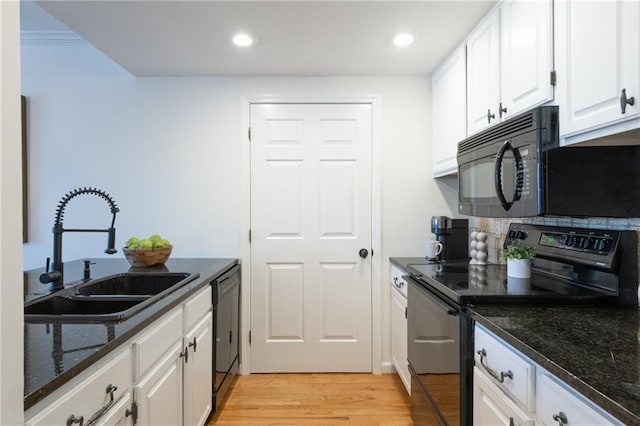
x=147, y=257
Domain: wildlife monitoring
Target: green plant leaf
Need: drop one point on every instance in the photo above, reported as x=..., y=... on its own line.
x=517, y=252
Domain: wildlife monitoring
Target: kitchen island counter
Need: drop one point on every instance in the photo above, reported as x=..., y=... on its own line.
x=595, y=350
x=55, y=352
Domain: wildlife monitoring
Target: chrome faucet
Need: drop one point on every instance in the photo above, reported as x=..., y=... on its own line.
x=55, y=276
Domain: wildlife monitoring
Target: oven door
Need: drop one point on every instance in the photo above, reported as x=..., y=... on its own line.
x=434, y=356
x=500, y=180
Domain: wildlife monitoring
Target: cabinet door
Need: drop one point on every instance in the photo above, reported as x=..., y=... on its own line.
x=555, y=401
x=159, y=393
x=449, y=112
x=399, y=337
x=491, y=407
x=526, y=55
x=198, y=372
x=597, y=46
x=483, y=74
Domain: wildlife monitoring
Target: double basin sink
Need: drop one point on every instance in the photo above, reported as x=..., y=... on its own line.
x=112, y=298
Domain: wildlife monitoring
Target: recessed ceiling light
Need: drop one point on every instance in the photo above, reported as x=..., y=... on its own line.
x=403, y=39
x=242, y=40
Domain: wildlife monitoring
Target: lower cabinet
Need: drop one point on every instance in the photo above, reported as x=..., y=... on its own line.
x=492, y=408
x=399, y=327
x=510, y=389
x=161, y=377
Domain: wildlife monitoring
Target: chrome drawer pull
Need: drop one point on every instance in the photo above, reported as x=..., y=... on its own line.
x=73, y=419
x=499, y=377
x=110, y=390
x=561, y=418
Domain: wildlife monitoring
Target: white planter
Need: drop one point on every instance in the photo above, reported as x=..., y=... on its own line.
x=519, y=268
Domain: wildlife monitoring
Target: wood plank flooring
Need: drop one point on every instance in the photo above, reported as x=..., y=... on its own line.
x=316, y=399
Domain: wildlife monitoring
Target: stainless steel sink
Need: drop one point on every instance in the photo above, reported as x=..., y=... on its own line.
x=112, y=298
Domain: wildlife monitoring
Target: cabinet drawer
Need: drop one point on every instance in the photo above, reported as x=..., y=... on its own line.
x=196, y=308
x=555, y=399
x=89, y=396
x=492, y=407
x=157, y=340
x=397, y=281
x=510, y=371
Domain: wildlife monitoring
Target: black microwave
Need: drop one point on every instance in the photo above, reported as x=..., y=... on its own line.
x=517, y=169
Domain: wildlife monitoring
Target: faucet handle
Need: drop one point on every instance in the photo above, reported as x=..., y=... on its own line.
x=49, y=276
x=47, y=264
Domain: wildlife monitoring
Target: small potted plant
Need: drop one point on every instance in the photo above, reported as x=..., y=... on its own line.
x=519, y=261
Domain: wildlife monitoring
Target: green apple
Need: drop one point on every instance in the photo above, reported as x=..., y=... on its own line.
x=155, y=238
x=159, y=244
x=166, y=243
x=132, y=243
x=145, y=244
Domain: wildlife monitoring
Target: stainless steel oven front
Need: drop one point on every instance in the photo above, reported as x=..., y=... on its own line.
x=434, y=347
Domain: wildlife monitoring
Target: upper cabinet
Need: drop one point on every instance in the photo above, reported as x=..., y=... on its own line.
x=598, y=63
x=509, y=62
x=449, y=112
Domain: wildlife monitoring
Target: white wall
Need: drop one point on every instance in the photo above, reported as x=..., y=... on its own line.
x=11, y=335
x=168, y=151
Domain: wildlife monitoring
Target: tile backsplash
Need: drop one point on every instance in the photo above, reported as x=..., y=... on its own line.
x=498, y=228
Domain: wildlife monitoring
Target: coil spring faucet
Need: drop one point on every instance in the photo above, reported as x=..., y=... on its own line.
x=55, y=276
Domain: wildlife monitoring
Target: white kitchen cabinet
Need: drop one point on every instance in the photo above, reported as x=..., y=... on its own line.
x=597, y=56
x=491, y=407
x=509, y=62
x=557, y=403
x=198, y=369
x=399, y=326
x=159, y=392
x=483, y=74
x=86, y=395
x=449, y=106
x=526, y=34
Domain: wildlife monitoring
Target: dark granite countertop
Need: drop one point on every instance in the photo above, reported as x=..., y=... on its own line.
x=56, y=352
x=595, y=350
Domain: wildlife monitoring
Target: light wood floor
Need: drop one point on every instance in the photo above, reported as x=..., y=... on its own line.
x=316, y=399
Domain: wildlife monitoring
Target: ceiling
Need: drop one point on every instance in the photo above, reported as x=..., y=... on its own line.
x=192, y=38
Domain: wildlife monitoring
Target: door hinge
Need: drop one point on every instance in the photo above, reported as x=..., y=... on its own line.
x=133, y=412
x=249, y=235
x=553, y=78
x=249, y=133
x=249, y=336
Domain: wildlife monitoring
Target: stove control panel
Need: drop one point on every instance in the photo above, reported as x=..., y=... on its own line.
x=590, y=246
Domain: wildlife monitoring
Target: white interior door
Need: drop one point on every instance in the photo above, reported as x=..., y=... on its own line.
x=310, y=217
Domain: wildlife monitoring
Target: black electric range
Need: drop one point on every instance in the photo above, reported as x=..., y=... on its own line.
x=583, y=266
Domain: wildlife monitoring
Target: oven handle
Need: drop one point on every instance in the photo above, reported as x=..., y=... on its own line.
x=498, y=175
x=435, y=299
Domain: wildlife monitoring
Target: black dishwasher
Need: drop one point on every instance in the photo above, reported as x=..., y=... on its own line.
x=226, y=323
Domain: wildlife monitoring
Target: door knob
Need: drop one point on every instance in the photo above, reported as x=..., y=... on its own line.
x=363, y=253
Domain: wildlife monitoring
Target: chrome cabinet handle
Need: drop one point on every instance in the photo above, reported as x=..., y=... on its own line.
x=499, y=377
x=397, y=284
x=194, y=345
x=502, y=110
x=185, y=354
x=624, y=101
x=561, y=418
x=73, y=419
x=363, y=253
x=110, y=390
x=490, y=116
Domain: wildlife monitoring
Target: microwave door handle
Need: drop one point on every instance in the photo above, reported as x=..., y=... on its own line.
x=498, y=176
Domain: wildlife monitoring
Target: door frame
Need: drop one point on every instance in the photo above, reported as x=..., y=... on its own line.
x=245, y=207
